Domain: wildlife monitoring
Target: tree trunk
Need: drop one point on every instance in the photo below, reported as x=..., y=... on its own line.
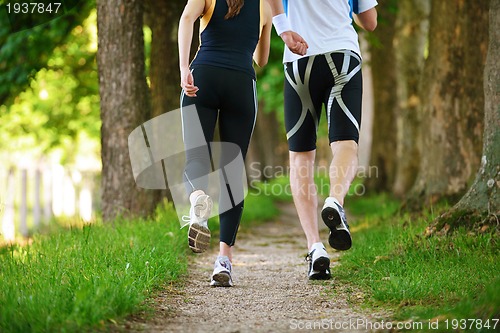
x=163, y=19
x=162, y=16
x=384, y=83
x=124, y=103
x=482, y=203
x=412, y=28
x=266, y=158
x=453, y=108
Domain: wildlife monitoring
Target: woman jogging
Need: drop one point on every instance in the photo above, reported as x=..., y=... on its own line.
x=220, y=82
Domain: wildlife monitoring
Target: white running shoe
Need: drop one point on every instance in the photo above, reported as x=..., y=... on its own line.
x=319, y=263
x=334, y=217
x=198, y=233
x=221, y=277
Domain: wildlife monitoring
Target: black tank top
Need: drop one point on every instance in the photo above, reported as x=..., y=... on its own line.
x=229, y=43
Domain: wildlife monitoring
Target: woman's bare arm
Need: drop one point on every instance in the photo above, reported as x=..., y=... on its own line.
x=261, y=54
x=193, y=10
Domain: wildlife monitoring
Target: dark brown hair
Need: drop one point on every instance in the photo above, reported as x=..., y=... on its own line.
x=234, y=8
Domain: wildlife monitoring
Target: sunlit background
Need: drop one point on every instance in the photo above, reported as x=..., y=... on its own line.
x=49, y=142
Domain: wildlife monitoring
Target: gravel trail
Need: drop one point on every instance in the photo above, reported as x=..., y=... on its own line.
x=271, y=292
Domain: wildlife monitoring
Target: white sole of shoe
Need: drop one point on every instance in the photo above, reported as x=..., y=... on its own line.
x=222, y=279
x=203, y=207
x=198, y=237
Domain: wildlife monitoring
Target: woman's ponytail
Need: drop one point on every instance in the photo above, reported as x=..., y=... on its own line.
x=234, y=8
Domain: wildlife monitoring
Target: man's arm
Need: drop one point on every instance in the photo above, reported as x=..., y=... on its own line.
x=293, y=40
x=367, y=19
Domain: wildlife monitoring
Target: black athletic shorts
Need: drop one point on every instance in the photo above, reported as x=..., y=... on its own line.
x=333, y=79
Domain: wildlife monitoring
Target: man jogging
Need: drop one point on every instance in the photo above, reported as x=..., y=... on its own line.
x=322, y=68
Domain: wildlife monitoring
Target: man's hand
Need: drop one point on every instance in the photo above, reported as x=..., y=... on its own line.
x=294, y=42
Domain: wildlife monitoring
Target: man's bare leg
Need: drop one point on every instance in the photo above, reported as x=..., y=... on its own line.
x=305, y=193
x=342, y=171
x=305, y=198
x=343, y=168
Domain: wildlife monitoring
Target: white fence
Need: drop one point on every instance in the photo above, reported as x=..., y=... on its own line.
x=32, y=196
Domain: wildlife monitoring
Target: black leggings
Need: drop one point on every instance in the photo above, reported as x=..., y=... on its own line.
x=229, y=96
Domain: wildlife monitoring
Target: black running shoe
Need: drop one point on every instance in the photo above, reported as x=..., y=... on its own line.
x=319, y=265
x=334, y=217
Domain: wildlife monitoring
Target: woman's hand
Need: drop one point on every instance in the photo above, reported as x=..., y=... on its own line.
x=187, y=83
x=193, y=10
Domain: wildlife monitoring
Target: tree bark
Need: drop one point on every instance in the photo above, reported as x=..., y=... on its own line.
x=481, y=203
x=163, y=19
x=124, y=103
x=453, y=108
x=266, y=158
x=162, y=16
x=412, y=28
x=382, y=53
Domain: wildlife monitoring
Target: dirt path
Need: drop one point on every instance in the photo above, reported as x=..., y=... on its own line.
x=271, y=293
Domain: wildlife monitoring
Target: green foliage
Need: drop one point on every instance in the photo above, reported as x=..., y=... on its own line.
x=271, y=78
x=270, y=83
x=77, y=279
x=62, y=102
x=24, y=53
x=148, y=35
x=424, y=277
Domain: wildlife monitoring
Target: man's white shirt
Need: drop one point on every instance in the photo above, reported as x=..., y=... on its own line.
x=326, y=25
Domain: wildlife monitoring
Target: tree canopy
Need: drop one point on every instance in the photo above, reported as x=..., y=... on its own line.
x=48, y=83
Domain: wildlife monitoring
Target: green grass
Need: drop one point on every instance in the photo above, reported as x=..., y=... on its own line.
x=87, y=277
x=83, y=278
x=420, y=277
x=399, y=269
x=277, y=189
x=259, y=208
